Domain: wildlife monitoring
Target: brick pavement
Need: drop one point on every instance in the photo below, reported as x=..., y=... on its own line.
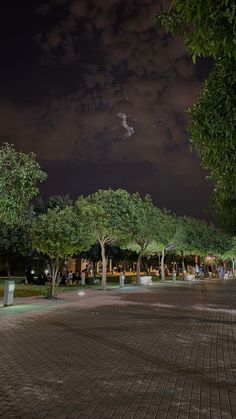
x=163, y=352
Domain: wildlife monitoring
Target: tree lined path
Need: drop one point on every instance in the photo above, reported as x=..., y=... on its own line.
x=167, y=351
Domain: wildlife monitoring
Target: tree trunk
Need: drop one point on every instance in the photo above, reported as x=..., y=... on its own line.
x=55, y=268
x=183, y=265
x=104, y=266
x=54, y=277
x=124, y=266
x=110, y=265
x=8, y=268
x=233, y=266
x=139, y=267
x=162, y=265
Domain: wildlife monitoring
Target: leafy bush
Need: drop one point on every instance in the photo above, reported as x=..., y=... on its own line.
x=48, y=291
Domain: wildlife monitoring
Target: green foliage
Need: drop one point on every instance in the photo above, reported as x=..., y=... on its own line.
x=14, y=240
x=207, y=26
x=58, y=233
x=230, y=253
x=107, y=214
x=166, y=223
x=165, y=228
x=19, y=176
x=140, y=231
x=149, y=248
x=196, y=237
x=114, y=252
x=212, y=128
x=49, y=292
x=140, y=228
x=225, y=211
x=209, y=29
x=213, y=135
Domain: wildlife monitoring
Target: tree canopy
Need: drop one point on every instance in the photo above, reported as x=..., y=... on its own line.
x=230, y=252
x=141, y=226
x=213, y=135
x=165, y=228
x=166, y=224
x=59, y=234
x=19, y=178
x=208, y=28
x=196, y=237
x=107, y=214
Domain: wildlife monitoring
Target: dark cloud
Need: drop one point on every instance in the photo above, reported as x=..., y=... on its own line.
x=91, y=63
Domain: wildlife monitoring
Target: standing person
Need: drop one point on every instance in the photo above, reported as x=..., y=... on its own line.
x=221, y=272
x=201, y=272
x=83, y=277
x=70, y=277
x=197, y=270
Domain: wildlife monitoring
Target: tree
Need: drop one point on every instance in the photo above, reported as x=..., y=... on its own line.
x=185, y=239
x=196, y=237
x=14, y=241
x=212, y=133
x=225, y=211
x=230, y=253
x=208, y=28
x=58, y=234
x=215, y=242
x=165, y=235
x=141, y=227
x=107, y=214
x=19, y=176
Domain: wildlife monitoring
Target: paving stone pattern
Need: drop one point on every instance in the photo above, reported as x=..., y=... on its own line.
x=163, y=352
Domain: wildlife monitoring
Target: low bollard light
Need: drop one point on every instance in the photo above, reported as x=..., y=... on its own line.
x=9, y=289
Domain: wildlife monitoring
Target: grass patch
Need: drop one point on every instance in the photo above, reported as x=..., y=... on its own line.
x=24, y=290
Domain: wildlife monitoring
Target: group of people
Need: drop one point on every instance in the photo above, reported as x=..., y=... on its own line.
x=42, y=278
x=221, y=272
x=66, y=278
x=198, y=271
x=73, y=278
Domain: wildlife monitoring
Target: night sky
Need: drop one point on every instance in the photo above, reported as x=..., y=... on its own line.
x=98, y=93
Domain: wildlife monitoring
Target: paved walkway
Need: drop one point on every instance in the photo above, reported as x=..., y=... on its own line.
x=167, y=351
